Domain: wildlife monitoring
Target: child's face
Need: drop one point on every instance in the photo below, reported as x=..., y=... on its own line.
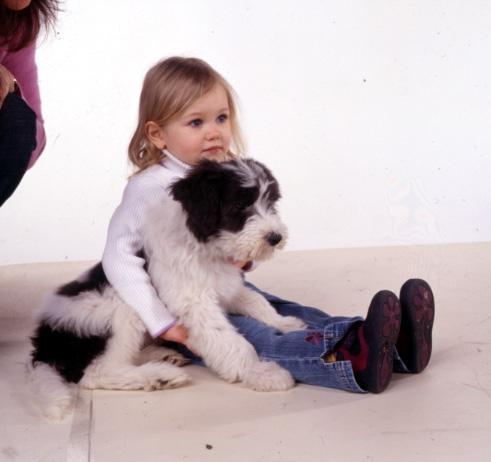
x=202, y=131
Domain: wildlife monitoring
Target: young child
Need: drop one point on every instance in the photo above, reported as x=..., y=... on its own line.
x=187, y=113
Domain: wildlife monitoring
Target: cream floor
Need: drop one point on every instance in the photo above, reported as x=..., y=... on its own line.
x=443, y=414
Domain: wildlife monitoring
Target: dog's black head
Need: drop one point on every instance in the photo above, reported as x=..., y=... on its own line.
x=221, y=196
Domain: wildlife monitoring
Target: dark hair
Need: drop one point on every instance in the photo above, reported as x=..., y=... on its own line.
x=19, y=28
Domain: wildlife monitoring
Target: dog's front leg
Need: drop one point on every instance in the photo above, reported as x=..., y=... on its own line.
x=248, y=302
x=230, y=355
x=215, y=340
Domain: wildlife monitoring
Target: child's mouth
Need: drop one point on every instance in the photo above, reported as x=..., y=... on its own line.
x=213, y=150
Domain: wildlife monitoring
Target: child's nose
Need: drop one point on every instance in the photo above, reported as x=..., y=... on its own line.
x=212, y=133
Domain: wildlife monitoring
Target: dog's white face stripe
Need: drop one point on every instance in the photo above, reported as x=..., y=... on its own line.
x=246, y=174
x=251, y=241
x=254, y=175
x=264, y=204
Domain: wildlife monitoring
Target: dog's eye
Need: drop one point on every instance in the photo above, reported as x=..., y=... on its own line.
x=243, y=199
x=239, y=205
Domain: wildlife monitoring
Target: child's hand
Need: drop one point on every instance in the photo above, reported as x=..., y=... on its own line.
x=177, y=333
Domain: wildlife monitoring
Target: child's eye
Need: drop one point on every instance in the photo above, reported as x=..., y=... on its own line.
x=222, y=118
x=196, y=123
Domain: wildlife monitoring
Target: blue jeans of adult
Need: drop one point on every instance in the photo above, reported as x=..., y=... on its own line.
x=302, y=353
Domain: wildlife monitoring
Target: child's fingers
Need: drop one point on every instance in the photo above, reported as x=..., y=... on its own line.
x=176, y=333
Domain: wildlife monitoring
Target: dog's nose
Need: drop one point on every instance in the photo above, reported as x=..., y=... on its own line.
x=273, y=238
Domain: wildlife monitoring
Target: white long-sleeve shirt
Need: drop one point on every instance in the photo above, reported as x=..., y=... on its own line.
x=124, y=269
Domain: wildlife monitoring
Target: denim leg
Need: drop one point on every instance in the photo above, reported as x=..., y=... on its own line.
x=313, y=317
x=316, y=318
x=299, y=352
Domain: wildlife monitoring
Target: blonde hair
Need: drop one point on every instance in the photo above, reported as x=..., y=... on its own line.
x=169, y=88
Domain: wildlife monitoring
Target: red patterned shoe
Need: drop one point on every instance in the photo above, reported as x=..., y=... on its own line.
x=370, y=345
x=418, y=312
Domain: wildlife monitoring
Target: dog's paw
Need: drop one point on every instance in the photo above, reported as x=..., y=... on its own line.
x=177, y=359
x=289, y=324
x=166, y=376
x=268, y=376
x=158, y=353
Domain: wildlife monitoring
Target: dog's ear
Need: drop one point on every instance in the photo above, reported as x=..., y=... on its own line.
x=199, y=194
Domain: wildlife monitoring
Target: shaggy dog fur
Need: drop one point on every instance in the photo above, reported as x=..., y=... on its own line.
x=87, y=335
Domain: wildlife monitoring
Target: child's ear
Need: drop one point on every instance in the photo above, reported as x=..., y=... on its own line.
x=155, y=135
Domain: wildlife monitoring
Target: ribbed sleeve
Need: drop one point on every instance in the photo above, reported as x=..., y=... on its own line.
x=123, y=267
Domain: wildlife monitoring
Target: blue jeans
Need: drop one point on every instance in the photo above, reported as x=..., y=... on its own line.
x=301, y=352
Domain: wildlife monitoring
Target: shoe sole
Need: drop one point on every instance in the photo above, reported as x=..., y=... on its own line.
x=381, y=329
x=418, y=314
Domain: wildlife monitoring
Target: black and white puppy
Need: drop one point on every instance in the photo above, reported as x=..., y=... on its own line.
x=88, y=336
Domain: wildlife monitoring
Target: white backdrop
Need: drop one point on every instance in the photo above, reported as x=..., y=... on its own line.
x=375, y=116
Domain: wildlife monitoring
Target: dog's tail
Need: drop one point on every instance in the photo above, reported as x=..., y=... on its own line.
x=51, y=394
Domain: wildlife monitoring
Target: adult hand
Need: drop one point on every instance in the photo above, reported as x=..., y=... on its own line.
x=7, y=83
